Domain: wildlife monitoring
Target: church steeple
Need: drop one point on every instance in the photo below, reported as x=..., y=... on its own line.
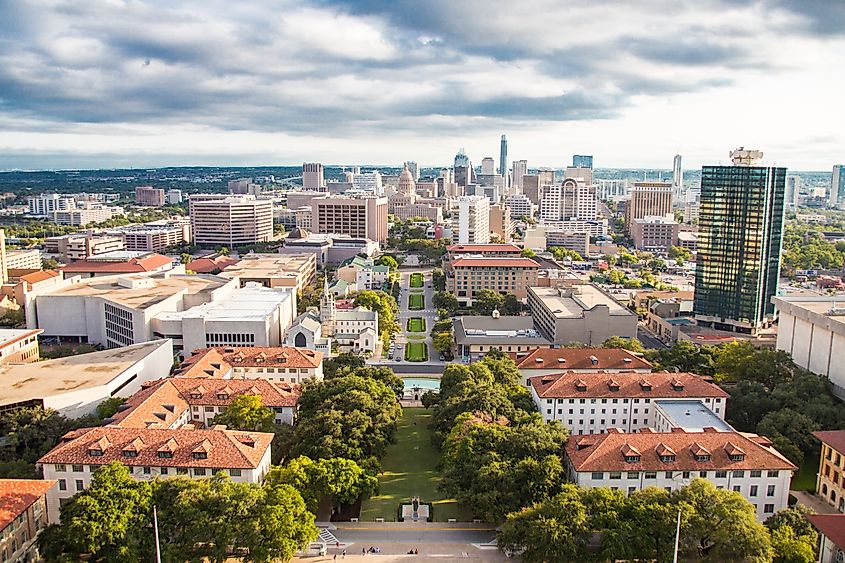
x=328, y=310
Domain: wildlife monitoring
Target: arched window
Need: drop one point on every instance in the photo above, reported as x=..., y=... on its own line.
x=824, y=489
x=299, y=340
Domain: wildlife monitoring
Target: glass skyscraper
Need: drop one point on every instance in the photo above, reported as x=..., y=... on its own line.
x=582, y=161
x=739, y=243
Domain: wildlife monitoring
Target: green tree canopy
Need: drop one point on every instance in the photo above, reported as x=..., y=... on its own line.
x=325, y=480
x=630, y=344
x=445, y=300
x=486, y=301
x=247, y=412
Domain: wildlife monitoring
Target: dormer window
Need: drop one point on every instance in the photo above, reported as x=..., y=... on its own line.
x=677, y=385
x=632, y=459
x=667, y=458
x=223, y=396
x=581, y=385
x=737, y=457
x=200, y=455
x=164, y=454
x=196, y=395
x=95, y=452
x=130, y=453
x=645, y=385
x=702, y=457
x=613, y=385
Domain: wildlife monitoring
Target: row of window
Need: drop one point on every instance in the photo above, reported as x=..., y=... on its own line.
x=721, y=474
x=79, y=484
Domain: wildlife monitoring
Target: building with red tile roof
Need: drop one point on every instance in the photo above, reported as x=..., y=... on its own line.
x=471, y=274
x=211, y=264
x=590, y=403
x=545, y=361
x=103, y=265
x=830, y=483
x=282, y=363
x=831, y=527
x=153, y=452
x=745, y=463
x=23, y=514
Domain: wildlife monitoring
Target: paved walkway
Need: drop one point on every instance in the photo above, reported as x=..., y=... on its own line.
x=813, y=501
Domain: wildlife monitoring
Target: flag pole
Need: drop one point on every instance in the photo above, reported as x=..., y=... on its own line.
x=677, y=537
x=155, y=527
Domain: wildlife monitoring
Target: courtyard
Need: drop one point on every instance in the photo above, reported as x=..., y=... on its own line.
x=416, y=324
x=416, y=351
x=416, y=280
x=416, y=301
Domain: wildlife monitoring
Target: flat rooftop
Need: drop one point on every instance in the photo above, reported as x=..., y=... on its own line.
x=820, y=310
x=270, y=265
x=250, y=303
x=692, y=415
x=572, y=302
x=26, y=382
x=160, y=289
x=8, y=335
x=483, y=329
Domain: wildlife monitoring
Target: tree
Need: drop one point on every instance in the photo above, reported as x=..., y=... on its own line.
x=683, y=356
x=382, y=303
x=223, y=251
x=442, y=342
x=795, y=517
x=643, y=527
x=486, y=301
x=528, y=253
x=383, y=374
x=739, y=361
x=630, y=344
x=438, y=279
x=185, y=258
x=445, y=300
x=388, y=261
x=556, y=530
x=657, y=265
x=325, y=481
x=793, y=425
x=789, y=547
x=561, y=254
x=679, y=254
x=616, y=276
x=511, y=305
x=247, y=412
x=108, y=408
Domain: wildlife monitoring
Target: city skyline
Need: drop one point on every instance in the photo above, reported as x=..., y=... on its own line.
x=147, y=84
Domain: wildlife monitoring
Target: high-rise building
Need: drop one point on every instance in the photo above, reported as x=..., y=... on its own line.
x=488, y=166
x=471, y=220
x=837, y=187
x=361, y=217
x=313, y=179
x=520, y=169
x=677, y=173
x=739, y=243
x=793, y=188
x=503, y=158
x=569, y=200
x=368, y=182
x=648, y=199
x=501, y=224
x=582, y=161
x=239, y=187
x=464, y=173
x=414, y=168
x=149, y=196
x=230, y=221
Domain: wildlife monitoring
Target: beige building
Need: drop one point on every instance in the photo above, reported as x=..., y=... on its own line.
x=230, y=221
x=424, y=210
x=275, y=270
x=23, y=259
x=582, y=313
x=23, y=514
x=19, y=346
x=830, y=482
x=149, y=196
x=654, y=233
x=82, y=245
x=471, y=220
x=502, y=275
x=364, y=217
x=500, y=222
x=85, y=214
x=313, y=178
x=579, y=241
x=156, y=235
x=648, y=199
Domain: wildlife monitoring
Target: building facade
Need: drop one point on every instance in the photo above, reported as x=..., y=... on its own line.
x=500, y=222
x=648, y=199
x=313, y=178
x=23, y=514
x=471, y=220
x=830, y=481
x=231, y=221
x=364, y=217
x=149, y=196
x=501, y=275
x=837, y=187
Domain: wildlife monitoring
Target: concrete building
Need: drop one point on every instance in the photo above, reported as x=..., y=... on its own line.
x=313, y=178
x=154, y=236
x=174, y=197
x=43, y=205
x=116, y=263
x=595, y=402
x=23, y=259
x=654, y=234
x=230, y=221
x=274, y=270
x=471, y=220
x=153, y=452
x=812, y=330
x=368, y=183
x=501, y=275
x=424, y=210
x=520, y=206
x=329, y=249
x=582, y=313
x=741, y=462
x=569, y=200
x=82, y=246
x=837, y=187
x=475, y=335
x=249, y=316
x=239, y=187
x=85, y=214
x=148, y=196
x=677, y=174
x=19, y=345
x=75, y=385
x=277, y=364
x=648, y=199
x=519, y=171
x=362, y=217
x=579, y=241
x=500, y=221
x=23, y=515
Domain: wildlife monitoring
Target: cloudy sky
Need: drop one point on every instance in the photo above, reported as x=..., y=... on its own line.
x=91, y=83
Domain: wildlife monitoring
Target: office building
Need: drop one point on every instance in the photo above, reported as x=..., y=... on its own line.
x=471, y=220
x=313, y=179
x=363, y=217
x=81, y=246
x=239, y=187
x=736, y=461
x=154, y=236
x=837, y=187
x=581, y=313
x=423, y=210
x=464, y=174
x=677, y=175
x=43, y=205
x=174, y=197
x=488, y=166
x=330, y=249
x=582, y=161
x=499, y=274
x=500, y=222
x=503, y=159
x=648, y=199
x=75, y=385
x=520, y=169
x=414, y=169
x=475, y=335
x=85, y=213
x=595, y=402
x=148, y=196
x=793, y=189
x=368, y=182
x=23, y=514
x=811, y=329
x=581, y=174
x=230, y=221
x=19, y=345
x=520, y=206
x=568, y=200
x=739, y=244
x=579, y=241
x=23, y=259
x=655, y=234
x=274, y=270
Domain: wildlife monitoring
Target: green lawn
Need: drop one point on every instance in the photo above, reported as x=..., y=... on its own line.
x=416, y=351
x=416, y=301
x=416, y=324
x=410, y=469
x=416, y=279
x=805, y=478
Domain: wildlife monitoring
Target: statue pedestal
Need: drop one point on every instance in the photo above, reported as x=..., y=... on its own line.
x=410, y=515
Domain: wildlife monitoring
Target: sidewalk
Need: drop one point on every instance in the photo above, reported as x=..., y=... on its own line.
x=814, y=502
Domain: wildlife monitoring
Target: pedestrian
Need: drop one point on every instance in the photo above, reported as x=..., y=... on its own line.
x=334, y=558
x=344, y=554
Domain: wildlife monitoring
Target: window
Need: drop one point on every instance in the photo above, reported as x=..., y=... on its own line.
x=199, y=470
x=181, y=471
x=756, y=473
x=772, y=473
x=752, y=491
x=633, y=475
x=651, y=475
x=737, y=488
x=548, y=411
x=146, y=470
x=668, y=474
x=77, y=469
x=199, y=455
x=685, y=474
x=770, y=491
x=632, y=458
x=79, y=485
x=165, y=454
x=61, y=467
x=769, y=508
x=615, y=474
x=235, y=472
x=163, y=471
x=721, y=474
x=667, y=458
x=62, y=485
x=737, y=457
x=130, y=453
x=598, y=475
x=702, y=474
x=739, y=473
x=631, y=490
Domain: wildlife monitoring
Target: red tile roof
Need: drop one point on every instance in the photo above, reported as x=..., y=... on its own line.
x=582, y=358
x=833, y=438
x=209, y=265
x=661, y=385
x=606, y=452
x=495, y=262
x=482, y=248
x=226, y=449
x=216, y=362
x=40, y=276
x=149, y=263
x=831, y=525
x=16, y=495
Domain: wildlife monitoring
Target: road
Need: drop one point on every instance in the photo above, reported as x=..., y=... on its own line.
x=649, y=340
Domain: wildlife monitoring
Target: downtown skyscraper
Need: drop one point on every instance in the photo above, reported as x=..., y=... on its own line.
x=503, y=159
x=739, y=243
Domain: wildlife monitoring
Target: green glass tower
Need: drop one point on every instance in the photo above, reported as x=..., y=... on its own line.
x=739, y=243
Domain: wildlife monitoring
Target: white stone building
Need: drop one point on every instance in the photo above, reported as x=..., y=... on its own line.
x=471, y=220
